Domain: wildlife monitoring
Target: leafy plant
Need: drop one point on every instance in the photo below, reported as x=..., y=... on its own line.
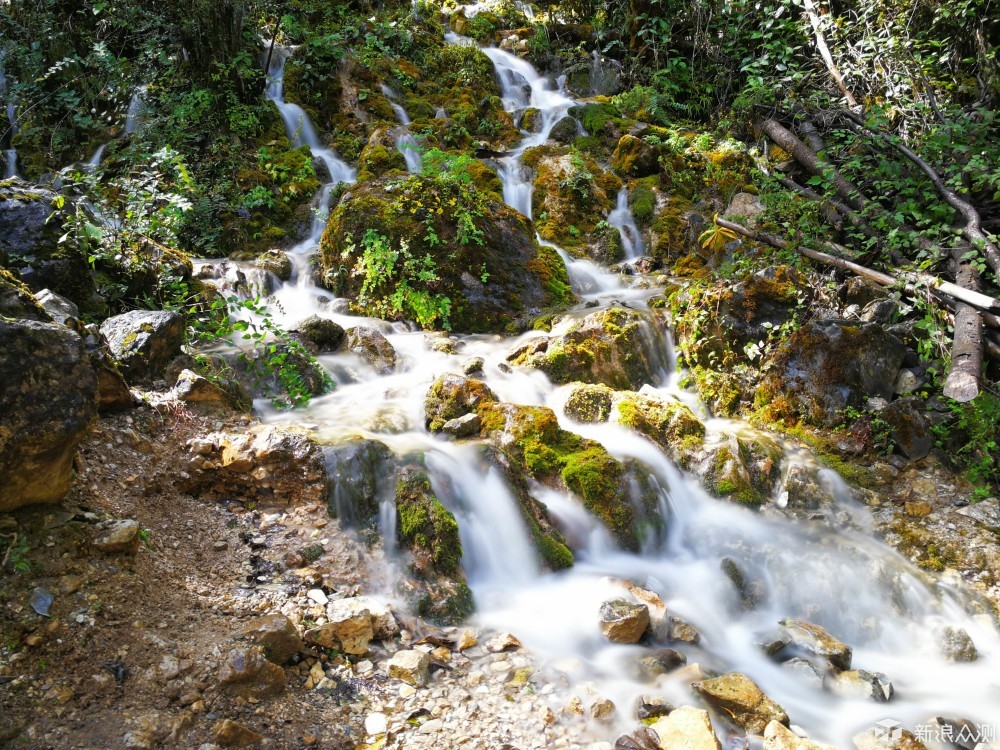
x=716, y=237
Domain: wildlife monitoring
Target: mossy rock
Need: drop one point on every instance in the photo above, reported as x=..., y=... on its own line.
x=590, y=403
x=602, y=121
x=620, y=348
x=361, y=475
x=489, y=269
x=425, y=526
x=531, y=120
x=380, y=156
x=633, y=157
x=17, y=301
x=454, y=396
x=571, y=196
x=642, y=200
x=532, y=439
x=667, y=422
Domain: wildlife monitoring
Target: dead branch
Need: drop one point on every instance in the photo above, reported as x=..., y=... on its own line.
x=824, y=52
x=962, y=383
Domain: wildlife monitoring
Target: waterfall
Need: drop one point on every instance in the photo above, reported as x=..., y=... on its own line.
x=406, y=144
x=9, y=154
x=136, y=106
x=842, y=578
x=95, y=160
x=622, y=219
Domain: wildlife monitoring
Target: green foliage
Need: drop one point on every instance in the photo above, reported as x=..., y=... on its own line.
x=14, y=553
x=579, y=180
x=394, y=282
x=972, y=439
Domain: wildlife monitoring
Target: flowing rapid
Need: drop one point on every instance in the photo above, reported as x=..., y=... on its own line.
x=9, y=154
x=405, y=142
x=836, y=575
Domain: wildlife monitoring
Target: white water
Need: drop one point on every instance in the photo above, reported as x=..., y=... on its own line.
x=622, y=219
x=843, y=579
x=406, y=144
x=95, y=160
x=9, y=154
x=136, y=106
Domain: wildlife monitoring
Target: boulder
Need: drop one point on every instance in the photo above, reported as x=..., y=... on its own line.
x=372, y=347
x=276, y=636
x=488, y=269
x=348, y=628
x=410, y=666
x=745, y=205
x=565, y=131
x=322, y=334
x=451, y=397
x=688, y=728
x=29, y=234
x=17, y=301
x=58, y=307
x=47, y=400
x=589, y=403
x=623, y=621
x=113, y=393
x=738, y=697
x=265, y=464
x=908, y=428
x=144, y=342
x=829, y=365
x=633, y=157
x=383, y=621
x=276, y=262
x=660, y=662
x=816, y=640
x=193, y=389
x=890, y=736
x=248, y=674
x=956, y=645
x=465, y=426
x=620, y=348
x=361, y=475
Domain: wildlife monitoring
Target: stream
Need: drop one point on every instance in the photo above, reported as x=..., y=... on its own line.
x=842, y=578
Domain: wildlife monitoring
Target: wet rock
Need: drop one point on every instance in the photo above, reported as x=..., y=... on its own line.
x=652, y=707
x=806, y=670
x=804, y=490
x=589, y=403
x=620, y=348
x=688, y=728
x=860, y=683
x=227, y=733
x=276, y=636
x=348, y=628
x=192, y=388
x=322, y=334
x=633, y=157
x=918, y=508
x=465, y=426
x=144, y=341
x=623, y=621
x=373, y=348
x=47, y=399
x=565, y=131
x=816, y=640
x=956, y=645
x=602, y=710
x=683, y=631
x=117, y=536
x=383, y=621
x=502, y=642
x=908, y=429
x=779, y=737
x=247, y=673
x=739, y=698
x=17, y=301
x=361, y=476
x=410, y=666
x=641, y=739
x=666, y=421
x=58, y=307
x=750, y=592
x=660, y=662
x=829, y=365
x=266, y=464
x=473, y=366
x=889, y=736
x=772, y=642
x=453, y=396
x=277, y=262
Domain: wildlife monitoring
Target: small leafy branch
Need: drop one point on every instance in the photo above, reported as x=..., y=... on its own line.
x=16, y=554
x=715, y=238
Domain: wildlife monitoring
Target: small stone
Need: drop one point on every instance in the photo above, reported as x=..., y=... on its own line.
x=602, y=709
x=406, y=691
x=547, y=716
x=376, y=724
x=502, y=642
x=779, y=737
x=228, y=733
x=117, y=536
x=318, y=596
x=466, y=640
x=652, y=707
x=860, y=683
x=683, y=631
x=806, y=670
x=463, y=427
x=410, y=666
x=247, y=673
x=918, y=508
x=573, y=707
x=623, y=621
x=473, y=365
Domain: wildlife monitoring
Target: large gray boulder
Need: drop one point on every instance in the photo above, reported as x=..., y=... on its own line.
x=47, y=398
x=144, y=341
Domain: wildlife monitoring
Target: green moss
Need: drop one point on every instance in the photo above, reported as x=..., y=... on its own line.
x=670, y=424
x=425, y=524
x=447, y=606
x=643, y=202
x=555, y=555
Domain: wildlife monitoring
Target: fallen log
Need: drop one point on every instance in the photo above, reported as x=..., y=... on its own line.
x=962, y=383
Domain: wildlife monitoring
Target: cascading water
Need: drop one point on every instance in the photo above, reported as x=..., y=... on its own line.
x=405, y=142
x=135, y=107
x=9, y=154
x=838, y=577
x=622, y=219
x=95, y=160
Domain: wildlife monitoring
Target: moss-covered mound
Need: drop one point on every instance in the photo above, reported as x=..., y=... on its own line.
x=571, y=197
x=620, y=348
x=437, y=249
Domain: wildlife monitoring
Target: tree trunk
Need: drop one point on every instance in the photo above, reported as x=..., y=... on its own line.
x=962, y=383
